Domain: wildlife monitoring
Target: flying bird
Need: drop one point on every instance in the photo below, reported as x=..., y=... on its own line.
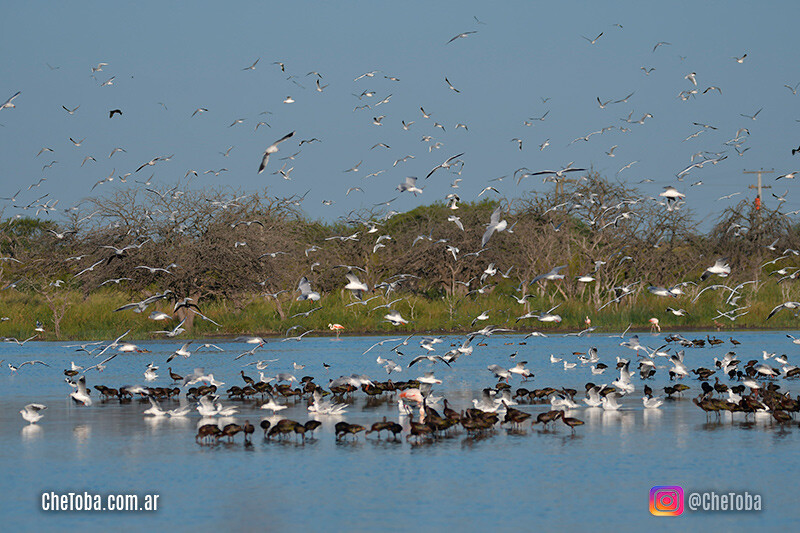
x=10, y=102
x=447, y=164
x=271, y=149
x=495, y=224
x=592, y=41
x=461, y=36
x=450, y=85
x=751, y=117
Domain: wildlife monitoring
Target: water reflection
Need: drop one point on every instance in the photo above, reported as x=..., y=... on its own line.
x=31, y=432
x=652, y=417
x=81, y=433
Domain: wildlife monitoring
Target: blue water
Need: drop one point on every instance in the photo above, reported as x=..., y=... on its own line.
x=530, y=479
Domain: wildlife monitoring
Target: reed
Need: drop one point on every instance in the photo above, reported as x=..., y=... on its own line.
x=93, y=317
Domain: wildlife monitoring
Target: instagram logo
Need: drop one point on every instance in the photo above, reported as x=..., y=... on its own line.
x=666, y=501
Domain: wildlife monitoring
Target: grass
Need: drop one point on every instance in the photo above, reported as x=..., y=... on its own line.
x=93, y=317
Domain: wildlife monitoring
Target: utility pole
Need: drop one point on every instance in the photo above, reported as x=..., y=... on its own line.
x=759, y=186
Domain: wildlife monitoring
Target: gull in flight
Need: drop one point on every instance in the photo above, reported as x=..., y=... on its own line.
x=271, y=149
x=410, y=185
x=253, y=66
x=182, y=351
x=672, y=195
x=553, y=275
x=10, y=102
x=593, y=41
x=395, y=318
x=751, y=117
x=785, y=305
x=461, y=36
x=495, y=224
x=660, y=43
x=354, y=284
x=720, y=268
x=457, y=221
x=355, y=167
x=35, y=362
x=447, y=164
x=451, y=85
x=557, y=173
x=305, y=291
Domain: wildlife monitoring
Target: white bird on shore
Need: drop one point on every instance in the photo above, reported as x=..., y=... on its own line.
x=609, y=401
x=593, y=398
x=155, y=409
x=558, y=402
x=205, y=406
x=487, y=402
x=679, y=368
x=150, y=372
x=225, y=411
x=80, y=394
x=652, y=402
x=32, y=412
x=624, y=382
x=184, y=409
x=273, y=406
x=199, y=375
x=322, y=407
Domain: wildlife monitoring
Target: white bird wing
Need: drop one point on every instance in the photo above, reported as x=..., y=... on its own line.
x=304, y=286
x=487, y=235
x=271, y=149
x=495, y=219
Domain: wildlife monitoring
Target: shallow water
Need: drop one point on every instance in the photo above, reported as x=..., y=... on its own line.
x=509, y=480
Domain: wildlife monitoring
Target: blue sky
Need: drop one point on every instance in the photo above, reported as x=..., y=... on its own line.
x=191, y=55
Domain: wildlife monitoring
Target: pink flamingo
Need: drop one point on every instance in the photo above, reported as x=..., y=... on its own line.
x=338, y=328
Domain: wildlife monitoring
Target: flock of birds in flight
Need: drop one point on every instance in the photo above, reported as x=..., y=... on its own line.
x=756, y=390
x=671, y=198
